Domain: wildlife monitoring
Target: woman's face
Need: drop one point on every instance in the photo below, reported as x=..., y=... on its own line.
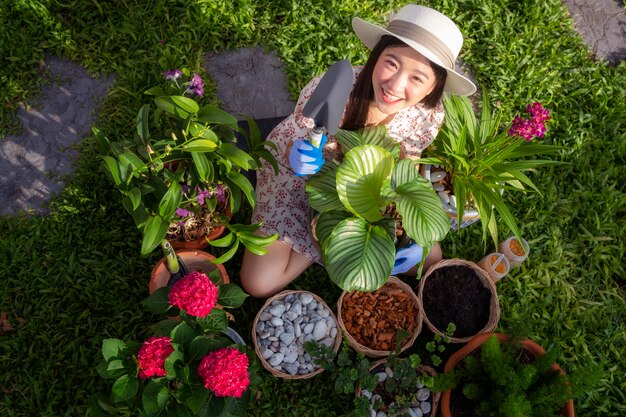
x=402, y=77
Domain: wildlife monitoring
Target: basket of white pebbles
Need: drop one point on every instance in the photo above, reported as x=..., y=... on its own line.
x=282, y=326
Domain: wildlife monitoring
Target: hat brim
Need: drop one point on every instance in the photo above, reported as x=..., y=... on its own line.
x=370, y=34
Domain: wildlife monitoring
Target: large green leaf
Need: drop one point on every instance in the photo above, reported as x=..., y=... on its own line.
x=237, y=156
x=112, y=348
x=326, y=223
x=200, y=145
x=423, y=217
x=404, y=171
x=171, y=200
x=203, y=166
x=359, y=255
x=360, y=179
x=237, y=181
x=178, y=106
x=198, y=130
x=142, y=128
x=155, y=395
x=231, y=296
x=321, y=191
x=213, y=114
x=193, y=396
x=125, y=387
x=154, y=231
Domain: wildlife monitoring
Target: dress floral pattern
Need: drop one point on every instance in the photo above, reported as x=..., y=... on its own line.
x=281, y=203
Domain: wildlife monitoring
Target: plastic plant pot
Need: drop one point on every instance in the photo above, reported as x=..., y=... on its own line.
x=515, y=252
x=496, y=265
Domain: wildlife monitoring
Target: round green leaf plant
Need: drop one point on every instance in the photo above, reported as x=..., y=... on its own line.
x=362, y=199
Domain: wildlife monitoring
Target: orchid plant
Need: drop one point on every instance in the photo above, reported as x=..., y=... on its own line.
x=189, y=366
x=482, y=161
x=181, y=172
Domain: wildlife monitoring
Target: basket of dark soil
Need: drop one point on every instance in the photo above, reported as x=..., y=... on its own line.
x=459, y=292
x=371, y=320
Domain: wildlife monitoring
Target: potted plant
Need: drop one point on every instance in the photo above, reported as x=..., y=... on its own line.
x=391, y=387
x=193, y=364
x=180, y=170
x=497, y=375
x=471, y=162
x=367, y=203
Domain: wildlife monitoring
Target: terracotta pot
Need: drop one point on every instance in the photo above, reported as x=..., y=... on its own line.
x=196, y=260
x=199, y=243
x=528, y=345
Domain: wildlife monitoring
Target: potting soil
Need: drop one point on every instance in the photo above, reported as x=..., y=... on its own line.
x=454, y=294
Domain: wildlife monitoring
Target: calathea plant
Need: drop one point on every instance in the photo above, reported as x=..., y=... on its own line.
x=365, y=203
x=180, y=165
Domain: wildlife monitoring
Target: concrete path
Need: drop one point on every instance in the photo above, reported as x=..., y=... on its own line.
x=249, y=81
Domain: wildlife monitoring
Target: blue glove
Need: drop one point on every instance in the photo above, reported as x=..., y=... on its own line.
x=306, y=159
x=407, y=257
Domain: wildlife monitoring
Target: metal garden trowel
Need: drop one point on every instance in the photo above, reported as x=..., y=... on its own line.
x=326, y=104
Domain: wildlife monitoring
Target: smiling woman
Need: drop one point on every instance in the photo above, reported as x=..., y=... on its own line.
x=400, y=87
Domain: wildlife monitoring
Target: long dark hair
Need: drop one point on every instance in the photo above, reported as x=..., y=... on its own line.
x=363, y=91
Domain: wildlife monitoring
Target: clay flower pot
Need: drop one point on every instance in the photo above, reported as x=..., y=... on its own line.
x=528, y=345
x=370, y=320
x=458, y=291
x=196, y=260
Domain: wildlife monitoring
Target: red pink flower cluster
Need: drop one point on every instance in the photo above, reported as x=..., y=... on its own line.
x=225, y=372
x=152, y=355
x=195, y=294
x=533, y=127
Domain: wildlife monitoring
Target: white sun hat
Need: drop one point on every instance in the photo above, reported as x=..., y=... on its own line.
x=430, y=33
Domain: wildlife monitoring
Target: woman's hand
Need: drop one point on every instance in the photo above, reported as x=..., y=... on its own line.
x=407, y=257
x=306, y=159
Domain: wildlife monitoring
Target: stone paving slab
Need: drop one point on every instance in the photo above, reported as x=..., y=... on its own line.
x=602, y=25
x=32, y=164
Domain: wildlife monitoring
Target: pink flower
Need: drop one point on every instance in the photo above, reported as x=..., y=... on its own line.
x=201, y=195
x=172, y=74
x=225, y=372
x=196, y=86
x=152, y=355
x=182, y=213
x=195, y=294
x=531, y=128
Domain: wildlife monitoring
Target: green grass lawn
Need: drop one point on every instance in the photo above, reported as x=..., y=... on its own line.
x=75, y=276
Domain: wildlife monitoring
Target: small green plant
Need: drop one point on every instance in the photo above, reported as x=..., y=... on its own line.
x=362, y=200
x=503, y=381
x=353, y=372
x=437, y=346
x=483, y=161
x=190, y=366
x=180, y=167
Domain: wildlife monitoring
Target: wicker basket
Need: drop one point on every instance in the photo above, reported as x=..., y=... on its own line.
x=269, y=367
x=424, y=369
x=373, y=353
x=494, y=307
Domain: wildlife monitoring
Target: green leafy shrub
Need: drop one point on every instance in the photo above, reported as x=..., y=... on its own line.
x=361, y=201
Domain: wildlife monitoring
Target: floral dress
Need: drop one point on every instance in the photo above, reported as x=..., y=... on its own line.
x=281, y=202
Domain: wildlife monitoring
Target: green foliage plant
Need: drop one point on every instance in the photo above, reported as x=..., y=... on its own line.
x=356, y=230
x=179, y=389
x=484, y=161
x=183, y=164
x=501, y=381
x=353, y=372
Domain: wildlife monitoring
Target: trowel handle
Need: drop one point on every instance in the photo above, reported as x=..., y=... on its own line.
x=315, y=137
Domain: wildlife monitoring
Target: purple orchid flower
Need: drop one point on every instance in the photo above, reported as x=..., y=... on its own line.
x=219, y=190
x=172, y=74
x=196, y=86
x=201, y=195
x=182, y=213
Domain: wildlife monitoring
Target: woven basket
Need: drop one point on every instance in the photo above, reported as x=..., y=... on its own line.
x=269, y=367
x=494, y=307
x=423, y=369
x=373, y=353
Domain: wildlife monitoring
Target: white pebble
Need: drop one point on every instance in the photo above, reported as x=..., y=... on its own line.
x=444, y=197
x=306, y=298
x=265, y=316
x=425, y=407
x=423, y=394
x=277, y=310
x=277, y=321
x=453, y=201
x=287, y=338
x=308, y=328
x=365, y=393
x=320, y=330
x=437, y=176
x=415, y=412
x=438, y=187
x=382, y=376
x=381, y=414
x=276, y=359
x=290, y=357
